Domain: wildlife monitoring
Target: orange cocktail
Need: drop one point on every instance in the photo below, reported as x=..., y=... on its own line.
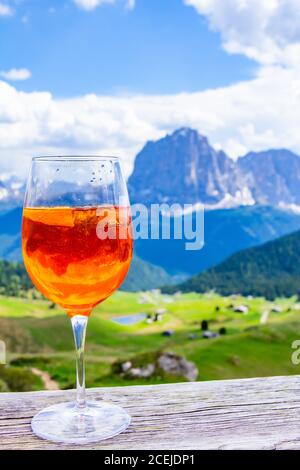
x=68, y=261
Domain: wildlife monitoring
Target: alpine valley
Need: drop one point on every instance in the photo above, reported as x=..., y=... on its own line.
x=247, y=202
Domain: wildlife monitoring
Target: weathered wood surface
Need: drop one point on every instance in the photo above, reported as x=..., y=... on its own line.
x=261, y=413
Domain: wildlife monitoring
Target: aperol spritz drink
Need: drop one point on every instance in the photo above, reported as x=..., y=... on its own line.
x=68, y=261
x=77, y=249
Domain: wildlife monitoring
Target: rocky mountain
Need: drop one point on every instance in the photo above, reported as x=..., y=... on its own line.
x=181, y=167
x=270, y=270
x=184, y=168
x=271, y=177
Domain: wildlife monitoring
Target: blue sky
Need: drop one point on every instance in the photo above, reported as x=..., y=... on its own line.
x=96, y=77
x=158, y=47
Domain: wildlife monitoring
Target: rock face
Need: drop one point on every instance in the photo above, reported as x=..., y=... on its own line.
x=146, y=371
x=178, y=365
x=184, y=168
x=181, y=167
x=159, y=364
x=272, y=177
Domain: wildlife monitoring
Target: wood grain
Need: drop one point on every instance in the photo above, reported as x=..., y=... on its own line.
x=262, y=413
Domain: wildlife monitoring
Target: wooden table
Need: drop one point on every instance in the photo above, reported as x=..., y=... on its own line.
x=262, y=413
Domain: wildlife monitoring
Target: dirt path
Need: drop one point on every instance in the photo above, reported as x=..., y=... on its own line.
x=264, y=318
x=46, y=379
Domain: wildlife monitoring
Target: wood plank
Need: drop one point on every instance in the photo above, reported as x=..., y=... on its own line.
x=261, y=413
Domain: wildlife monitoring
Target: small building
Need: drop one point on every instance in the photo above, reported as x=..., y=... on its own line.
x=168, y=333
x=276, y=309
x=241, y=309
x=209, y=334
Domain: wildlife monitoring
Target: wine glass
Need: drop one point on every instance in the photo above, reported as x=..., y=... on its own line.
x=77, y=248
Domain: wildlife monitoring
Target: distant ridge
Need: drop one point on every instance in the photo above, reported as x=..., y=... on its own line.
x=184, y=168
x=226, y=231
x=141, y=276
x=145, y=276
x=270, y=270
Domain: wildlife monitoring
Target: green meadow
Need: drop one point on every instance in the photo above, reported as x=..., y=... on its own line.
x=258, y=343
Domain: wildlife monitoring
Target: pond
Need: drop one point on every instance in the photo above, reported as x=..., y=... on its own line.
x=130, y=319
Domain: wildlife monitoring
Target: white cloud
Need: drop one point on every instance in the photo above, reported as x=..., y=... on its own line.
x=5, y=10
x=265, y=30
x=247, y=115
x=90, y=5
x=130, y=4
x=15, y=74
x=252, y=115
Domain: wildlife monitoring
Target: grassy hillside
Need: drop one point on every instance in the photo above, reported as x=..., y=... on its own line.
x=256, y=344
x=270, y=270
x=143, y=276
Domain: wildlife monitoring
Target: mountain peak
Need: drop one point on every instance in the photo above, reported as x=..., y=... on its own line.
x=179, y=168
x=184, y=168
x=280, y=153
x=188, y=133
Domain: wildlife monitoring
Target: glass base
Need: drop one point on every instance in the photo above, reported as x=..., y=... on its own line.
x=65, y=423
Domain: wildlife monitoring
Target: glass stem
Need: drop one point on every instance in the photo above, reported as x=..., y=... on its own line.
x=79, y=324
